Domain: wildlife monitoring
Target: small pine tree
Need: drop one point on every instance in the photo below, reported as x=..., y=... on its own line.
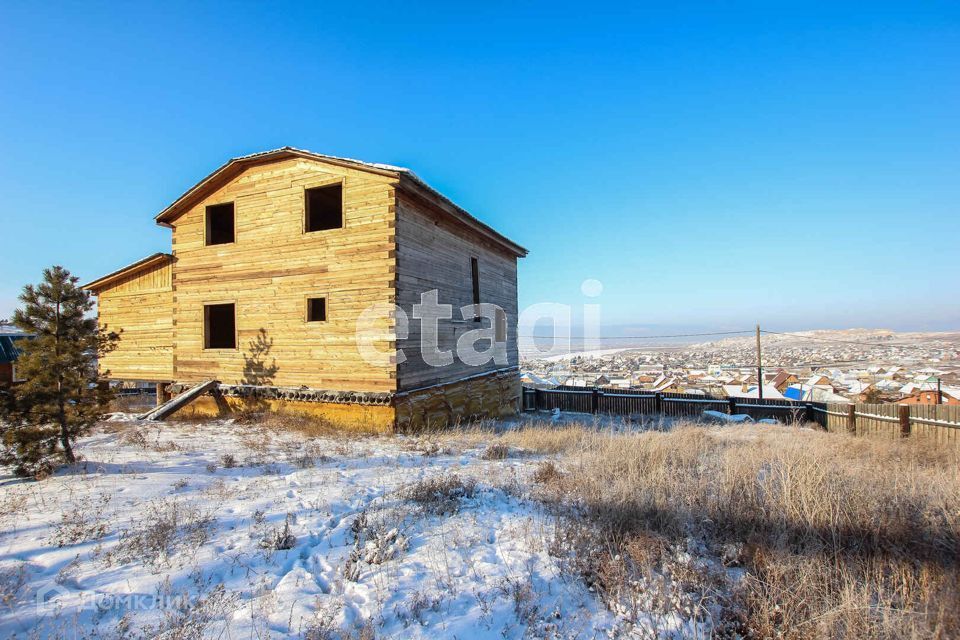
x=59, y=399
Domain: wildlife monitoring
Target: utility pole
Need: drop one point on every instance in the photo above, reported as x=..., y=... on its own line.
x=939, y=392
x=759, y=367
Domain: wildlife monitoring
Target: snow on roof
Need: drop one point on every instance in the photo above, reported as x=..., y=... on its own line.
x=815, y=379
x=856, y=386
x=664, y=384
x=736, y=391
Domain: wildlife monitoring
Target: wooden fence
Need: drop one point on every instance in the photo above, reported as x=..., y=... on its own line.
x=634, y=402
x=940, y=422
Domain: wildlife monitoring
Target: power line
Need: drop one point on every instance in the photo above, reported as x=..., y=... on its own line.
x=677, y=335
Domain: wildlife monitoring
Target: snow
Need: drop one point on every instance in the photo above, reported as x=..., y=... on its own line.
x=737, y=391
x=588, y=355
x=719, y=416
x=80, y=550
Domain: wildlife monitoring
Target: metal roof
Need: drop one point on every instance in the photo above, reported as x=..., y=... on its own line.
x=8, y=348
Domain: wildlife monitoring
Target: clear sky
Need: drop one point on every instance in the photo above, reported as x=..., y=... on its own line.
x=713, y=165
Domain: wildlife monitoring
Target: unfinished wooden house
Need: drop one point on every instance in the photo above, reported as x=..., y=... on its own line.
x=282, y=267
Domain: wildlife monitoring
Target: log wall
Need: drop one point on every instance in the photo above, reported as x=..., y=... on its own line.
x=435, y=253
x=271, y=269
x=140, y=307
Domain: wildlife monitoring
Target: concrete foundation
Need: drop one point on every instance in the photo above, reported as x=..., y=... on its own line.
x=493, y=395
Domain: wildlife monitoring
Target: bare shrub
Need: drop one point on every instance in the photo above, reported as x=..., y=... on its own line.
x=440, y=495
x=838, y=536
x=12, y=579
x=135, y=437
x=13, y=506
x=422, y=447
x=308, y=456
x=324, y=626
x=279, y=539
x=228, y=461
x=194, y=616
x=374, y=542
x=416, y=606
x=547, y=473
x=496, y=451
x=523, y=597
x=167, y=528
x=83, y=522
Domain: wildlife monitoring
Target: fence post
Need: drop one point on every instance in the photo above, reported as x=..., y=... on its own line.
x=658, y=402
x=903, y=412
x=808, y=412
x=595, y=401
x=537, y=399
x=852, y=419
x=731, y=406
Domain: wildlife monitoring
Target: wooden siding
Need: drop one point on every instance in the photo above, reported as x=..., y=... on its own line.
x=433, y=253
x=141, y=306
x=271, y=269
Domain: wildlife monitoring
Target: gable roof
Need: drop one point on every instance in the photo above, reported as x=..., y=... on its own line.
x=140, y=265
x=407, y=179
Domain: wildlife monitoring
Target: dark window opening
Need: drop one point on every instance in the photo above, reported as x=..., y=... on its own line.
x=324, y=208
x=475, y=275
x=219, y=326
x=316, y=310
x=220, y=223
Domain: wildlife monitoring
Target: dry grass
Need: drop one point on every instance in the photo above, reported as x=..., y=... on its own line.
x=839, y=536
x=440, y=495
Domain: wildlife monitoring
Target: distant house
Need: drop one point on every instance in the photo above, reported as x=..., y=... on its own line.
x=950, y=395
x=751, y=391
x=666, y=384
x=9, y=354
x=817, y=380
x=530, y=379
x=800, y=393
x=783, y=379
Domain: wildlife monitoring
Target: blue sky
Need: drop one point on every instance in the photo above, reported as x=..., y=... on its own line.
x=712, y=165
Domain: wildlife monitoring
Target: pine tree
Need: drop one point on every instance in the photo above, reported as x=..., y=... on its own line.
x=60, y=398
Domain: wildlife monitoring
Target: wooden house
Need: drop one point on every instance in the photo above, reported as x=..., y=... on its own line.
x=782, y=380
x=9, y=353
x=292, y=279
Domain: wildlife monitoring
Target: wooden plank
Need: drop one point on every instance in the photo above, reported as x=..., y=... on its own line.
x=179, y=402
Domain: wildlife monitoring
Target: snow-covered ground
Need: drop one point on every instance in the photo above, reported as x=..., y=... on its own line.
x=235, y=531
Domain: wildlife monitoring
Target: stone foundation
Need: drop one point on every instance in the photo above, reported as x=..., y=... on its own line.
x=494, y=395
